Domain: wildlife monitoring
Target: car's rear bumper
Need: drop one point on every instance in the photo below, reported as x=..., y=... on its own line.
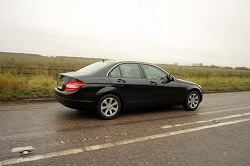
x=75, y=104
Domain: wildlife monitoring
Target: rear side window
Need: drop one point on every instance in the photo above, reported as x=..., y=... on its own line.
x=115, y=73
x=130, y=71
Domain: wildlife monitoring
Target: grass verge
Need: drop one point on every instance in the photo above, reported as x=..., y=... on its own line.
x=14, y=87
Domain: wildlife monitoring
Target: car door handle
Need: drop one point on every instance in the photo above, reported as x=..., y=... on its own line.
x=121, y=81
x=153, y=83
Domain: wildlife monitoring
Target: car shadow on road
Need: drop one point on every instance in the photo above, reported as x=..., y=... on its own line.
x=155, y=113
x=135, y=113
x=88, y=120
x=74, y=114
x=149, y=110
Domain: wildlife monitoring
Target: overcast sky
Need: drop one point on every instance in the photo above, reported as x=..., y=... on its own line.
x=156, y=31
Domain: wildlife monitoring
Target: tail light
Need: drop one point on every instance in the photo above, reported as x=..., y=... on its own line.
x=73, y=86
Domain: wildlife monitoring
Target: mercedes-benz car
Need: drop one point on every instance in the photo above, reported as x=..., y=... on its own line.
x=109, y=86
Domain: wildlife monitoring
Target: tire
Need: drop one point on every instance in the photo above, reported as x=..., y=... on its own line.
x=192, y=101
x=108, y=106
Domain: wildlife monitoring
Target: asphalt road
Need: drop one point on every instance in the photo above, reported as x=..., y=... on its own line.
x=50, y=134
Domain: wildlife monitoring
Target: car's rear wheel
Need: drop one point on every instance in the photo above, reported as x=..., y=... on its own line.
x=192, y=101
x=109, y=106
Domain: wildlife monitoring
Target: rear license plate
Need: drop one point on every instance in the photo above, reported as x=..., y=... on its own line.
x=60, y=84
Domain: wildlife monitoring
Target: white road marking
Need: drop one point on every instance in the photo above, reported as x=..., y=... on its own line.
x=96, y=147
x=167, y=126
x=20, y=149
x=205, y=121
x=119, y=143
x=230, y=109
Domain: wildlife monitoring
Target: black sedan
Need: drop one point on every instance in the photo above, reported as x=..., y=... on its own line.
x=110, y=86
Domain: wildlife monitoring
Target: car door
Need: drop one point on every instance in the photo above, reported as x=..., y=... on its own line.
x=128, y=79
x=160, y=92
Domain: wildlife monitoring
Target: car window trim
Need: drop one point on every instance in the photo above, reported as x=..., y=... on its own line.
x=142, y=71
x=113, y=70
x=110, y=70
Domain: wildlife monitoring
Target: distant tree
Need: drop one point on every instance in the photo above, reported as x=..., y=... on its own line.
x=241, y=68
x=214, y=66
x=201, y=64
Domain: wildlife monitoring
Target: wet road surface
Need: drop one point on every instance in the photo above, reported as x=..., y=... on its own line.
x=51, y=134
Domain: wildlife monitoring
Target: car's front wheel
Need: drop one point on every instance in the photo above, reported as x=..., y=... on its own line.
x=192, y=101
x=109, y=106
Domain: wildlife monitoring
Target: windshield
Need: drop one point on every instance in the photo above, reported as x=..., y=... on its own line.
x=93, y=67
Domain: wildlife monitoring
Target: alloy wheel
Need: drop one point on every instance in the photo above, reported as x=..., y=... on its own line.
x=109, y=106
x=193, y=100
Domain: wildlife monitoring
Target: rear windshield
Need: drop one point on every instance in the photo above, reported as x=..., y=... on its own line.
x=93, y=67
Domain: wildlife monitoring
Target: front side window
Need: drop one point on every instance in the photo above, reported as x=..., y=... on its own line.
x=130, y=71
x=153, y=72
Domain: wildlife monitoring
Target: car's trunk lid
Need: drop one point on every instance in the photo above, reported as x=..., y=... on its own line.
x=64, y=79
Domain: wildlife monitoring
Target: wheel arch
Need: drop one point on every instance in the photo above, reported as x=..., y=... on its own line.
x=192, y=88
x=112, y=91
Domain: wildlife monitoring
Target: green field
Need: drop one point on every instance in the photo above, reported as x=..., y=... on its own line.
x=41, y=64
x=34, y=76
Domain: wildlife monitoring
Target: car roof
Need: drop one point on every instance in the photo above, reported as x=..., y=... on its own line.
x=118, y=62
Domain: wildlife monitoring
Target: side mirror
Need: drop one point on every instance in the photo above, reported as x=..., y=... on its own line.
x=171, y=78
x=167, y=79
